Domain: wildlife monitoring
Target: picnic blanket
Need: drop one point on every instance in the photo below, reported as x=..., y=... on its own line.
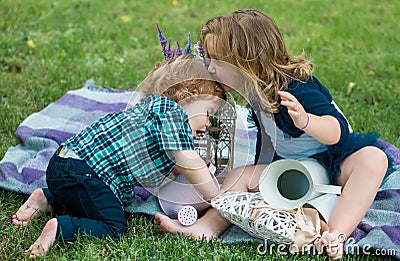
x=23, y=167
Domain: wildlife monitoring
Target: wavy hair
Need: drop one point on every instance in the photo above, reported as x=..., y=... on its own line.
x=184, y=78
x=251, y=41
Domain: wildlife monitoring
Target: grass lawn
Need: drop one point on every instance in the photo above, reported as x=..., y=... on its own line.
x=50, y=47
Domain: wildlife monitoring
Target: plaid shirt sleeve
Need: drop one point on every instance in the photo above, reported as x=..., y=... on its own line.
x=170, y=126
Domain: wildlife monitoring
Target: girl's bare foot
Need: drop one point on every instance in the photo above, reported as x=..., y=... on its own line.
x=32, y=208
x=44, y=241
x=334, y=244
x=173, y=226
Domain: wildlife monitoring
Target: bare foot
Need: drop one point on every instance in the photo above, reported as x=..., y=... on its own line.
x=173, y=226
x=32, y=208
x=334, y=244
x=44, y=241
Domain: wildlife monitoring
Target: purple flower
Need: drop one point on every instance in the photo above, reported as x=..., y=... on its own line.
x=188, y=47
x=168, y=53
x=200, y=50
x=178, y=51
x=161, y=37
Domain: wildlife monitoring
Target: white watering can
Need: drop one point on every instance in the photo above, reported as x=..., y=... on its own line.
x=292, y=183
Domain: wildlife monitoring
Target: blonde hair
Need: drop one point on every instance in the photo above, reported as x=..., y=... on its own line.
x=184, y=78
x=251, y=41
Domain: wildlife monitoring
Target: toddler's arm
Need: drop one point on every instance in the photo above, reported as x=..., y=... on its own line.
x=196, y=171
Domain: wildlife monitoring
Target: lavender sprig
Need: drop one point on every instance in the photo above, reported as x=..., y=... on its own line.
x=200, y=49
x=169, y=54
x=162, y=39
x=188, y=47
x=178, y=51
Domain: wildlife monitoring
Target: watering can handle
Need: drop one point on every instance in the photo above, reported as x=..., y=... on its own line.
x=331, y=189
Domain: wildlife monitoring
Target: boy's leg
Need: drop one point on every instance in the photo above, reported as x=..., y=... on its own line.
x=361, y=175
x=93, y=210
x=92, y=207
x=44, y=241
x=212, y=224
x=35, y=205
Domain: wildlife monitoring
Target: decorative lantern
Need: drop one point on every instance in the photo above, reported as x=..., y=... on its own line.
x=216, y=146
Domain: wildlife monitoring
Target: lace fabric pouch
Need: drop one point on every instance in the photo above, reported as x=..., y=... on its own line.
x=300, y=228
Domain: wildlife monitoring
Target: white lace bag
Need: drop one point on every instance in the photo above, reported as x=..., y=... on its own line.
x=249, y=211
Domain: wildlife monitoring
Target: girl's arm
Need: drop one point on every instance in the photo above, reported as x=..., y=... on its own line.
x=196, y=171
x=325, y=129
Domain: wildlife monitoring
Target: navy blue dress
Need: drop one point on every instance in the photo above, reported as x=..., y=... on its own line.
x=316, y=100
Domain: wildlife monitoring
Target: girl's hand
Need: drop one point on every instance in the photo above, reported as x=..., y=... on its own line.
x=295, y=109
x=326, y=128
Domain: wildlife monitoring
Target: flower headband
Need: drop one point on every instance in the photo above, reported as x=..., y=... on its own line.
x=170, y=54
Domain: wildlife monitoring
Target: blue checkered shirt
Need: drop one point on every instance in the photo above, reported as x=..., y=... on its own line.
x=134, y=147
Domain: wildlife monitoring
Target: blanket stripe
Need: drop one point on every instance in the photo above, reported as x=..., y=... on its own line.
x=89, y=104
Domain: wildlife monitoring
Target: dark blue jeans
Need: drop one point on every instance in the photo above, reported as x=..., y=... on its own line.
x=92, y=207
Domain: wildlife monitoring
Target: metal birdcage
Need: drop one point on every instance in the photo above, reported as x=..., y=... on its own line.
x=217, y=144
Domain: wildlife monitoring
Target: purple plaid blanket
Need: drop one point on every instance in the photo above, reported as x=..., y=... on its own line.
x=23, y=167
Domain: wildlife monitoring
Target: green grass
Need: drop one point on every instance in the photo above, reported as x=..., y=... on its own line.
x=349, y=41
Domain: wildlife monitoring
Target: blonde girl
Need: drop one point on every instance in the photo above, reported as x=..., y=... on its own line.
x=297, y=118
